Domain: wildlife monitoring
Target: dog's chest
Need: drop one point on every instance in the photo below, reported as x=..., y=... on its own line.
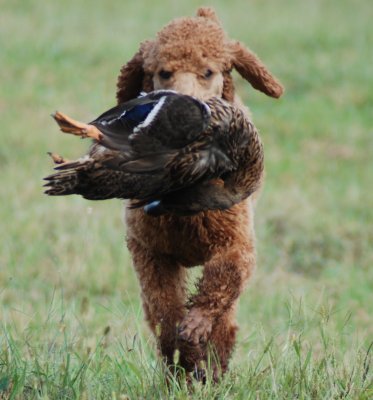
x=190, y=240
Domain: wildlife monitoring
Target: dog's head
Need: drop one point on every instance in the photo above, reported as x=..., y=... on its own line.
x=194, y=56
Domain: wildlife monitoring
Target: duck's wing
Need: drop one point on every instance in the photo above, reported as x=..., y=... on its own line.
x=178, y=170
x=208, y=156
x=112, y=128
x=159, y=121
x=118, y=123
x=106, y=174
x=232, y=152
x=85, y=177
x=153, y=123
x=199, y=161
x=101, y=179
x=175, y=121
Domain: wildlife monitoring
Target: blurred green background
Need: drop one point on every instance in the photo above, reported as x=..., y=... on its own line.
x=64, y=266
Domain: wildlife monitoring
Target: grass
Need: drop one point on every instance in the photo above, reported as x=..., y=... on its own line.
x=71, y=319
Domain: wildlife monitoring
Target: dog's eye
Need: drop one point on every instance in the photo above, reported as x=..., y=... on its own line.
x=165, y=74
x=208, y=74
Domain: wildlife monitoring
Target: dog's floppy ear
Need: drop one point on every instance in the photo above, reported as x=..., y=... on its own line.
x=132, y=78
x=254, y=71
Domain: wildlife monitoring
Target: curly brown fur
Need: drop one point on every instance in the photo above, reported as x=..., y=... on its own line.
x=181, y=58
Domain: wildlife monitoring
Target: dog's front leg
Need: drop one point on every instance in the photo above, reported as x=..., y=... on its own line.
x=211, y=316
x=163, y=295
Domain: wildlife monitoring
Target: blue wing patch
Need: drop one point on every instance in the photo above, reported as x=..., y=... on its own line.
x=138, y=113
x=155, y=208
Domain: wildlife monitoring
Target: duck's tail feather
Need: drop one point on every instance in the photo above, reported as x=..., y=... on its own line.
x=61, y=183
x=93, y=180
x=66, y=181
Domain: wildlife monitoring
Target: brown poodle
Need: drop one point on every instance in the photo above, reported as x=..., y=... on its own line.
x=195, y=57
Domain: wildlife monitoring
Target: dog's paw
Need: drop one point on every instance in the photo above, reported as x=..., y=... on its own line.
x=195, y=327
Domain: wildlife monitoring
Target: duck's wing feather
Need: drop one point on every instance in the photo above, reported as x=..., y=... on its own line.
x=200, y=162
x=147, y=164
x=155, y=122
x=100, y=180
x=177, y=170
x=118, y=123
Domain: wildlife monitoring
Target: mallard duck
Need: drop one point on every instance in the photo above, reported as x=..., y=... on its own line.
x=165, y=151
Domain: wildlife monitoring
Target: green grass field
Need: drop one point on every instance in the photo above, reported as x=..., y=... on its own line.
x=71, y=324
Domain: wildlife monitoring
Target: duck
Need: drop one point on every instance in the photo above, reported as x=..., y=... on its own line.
x=164, y=151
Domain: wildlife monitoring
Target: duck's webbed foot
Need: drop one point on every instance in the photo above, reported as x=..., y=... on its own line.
x=69, y=125
x=57, y=159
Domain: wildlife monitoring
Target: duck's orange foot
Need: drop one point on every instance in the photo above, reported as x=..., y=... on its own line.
x=69, y=125
x=57, y=159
